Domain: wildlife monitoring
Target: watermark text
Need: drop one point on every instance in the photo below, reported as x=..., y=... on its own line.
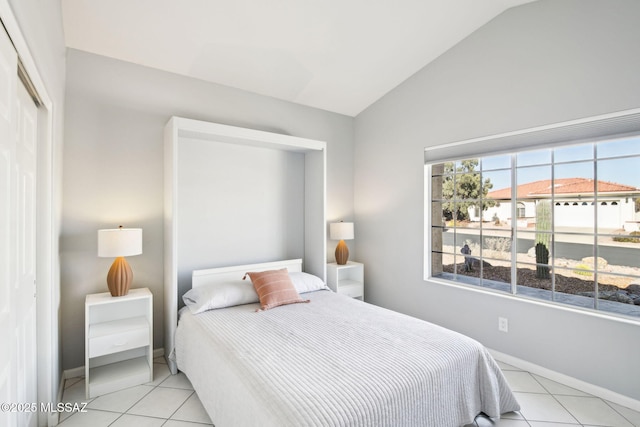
x=44, y=407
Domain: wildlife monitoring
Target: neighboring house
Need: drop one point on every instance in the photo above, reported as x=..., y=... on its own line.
x=573, y=200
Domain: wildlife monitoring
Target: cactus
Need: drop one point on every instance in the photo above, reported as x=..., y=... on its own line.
x=543, y=238
x=543, y=222
x=542, y=260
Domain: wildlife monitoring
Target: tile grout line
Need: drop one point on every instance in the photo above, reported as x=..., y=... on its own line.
x=618, y=412
x=174, y=412
x=566, y=409
x=159, y=385
x=580, y=396
x=556, y=399
x=547, y=392
x=136, y=402
x=183, y=403
x=559, y=403
x=589, y=397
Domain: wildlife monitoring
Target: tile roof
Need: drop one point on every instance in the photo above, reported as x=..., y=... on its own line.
x=562, y=186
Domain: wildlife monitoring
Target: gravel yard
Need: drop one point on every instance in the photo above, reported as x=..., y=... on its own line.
x=570, y=276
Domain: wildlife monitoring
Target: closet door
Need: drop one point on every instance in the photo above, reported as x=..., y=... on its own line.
x=18, y=142
x=25, y=285
x=8, y=82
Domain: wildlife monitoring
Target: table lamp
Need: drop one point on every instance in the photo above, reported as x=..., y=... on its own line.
x=119, y=243
x=341, y=231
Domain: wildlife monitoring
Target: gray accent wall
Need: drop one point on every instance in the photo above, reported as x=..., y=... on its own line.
x=113, y=168
x=544, y=62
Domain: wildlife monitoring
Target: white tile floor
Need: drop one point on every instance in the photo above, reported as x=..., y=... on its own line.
x=170, y=401
x=545, y=403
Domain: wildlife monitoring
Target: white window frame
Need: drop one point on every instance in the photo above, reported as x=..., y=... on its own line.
x=608, y=127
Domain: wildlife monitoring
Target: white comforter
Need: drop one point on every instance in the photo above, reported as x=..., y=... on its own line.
x=336, y=362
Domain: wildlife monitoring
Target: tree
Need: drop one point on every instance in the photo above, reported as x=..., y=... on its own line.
x=463, y=188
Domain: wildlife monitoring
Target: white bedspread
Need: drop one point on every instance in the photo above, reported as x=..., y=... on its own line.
x=336, y=362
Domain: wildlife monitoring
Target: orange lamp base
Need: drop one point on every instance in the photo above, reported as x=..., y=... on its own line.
x=342, y=253
x=119, y=277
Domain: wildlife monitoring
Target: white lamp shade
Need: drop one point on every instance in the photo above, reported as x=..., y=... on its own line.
x=341, y=231
x=119, y=242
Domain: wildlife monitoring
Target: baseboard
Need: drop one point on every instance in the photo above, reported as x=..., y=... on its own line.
x=592, y=389
x=73, y=372
x=158, y=352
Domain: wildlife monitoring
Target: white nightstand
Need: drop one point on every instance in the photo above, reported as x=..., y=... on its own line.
x=118, y=341
x=346, y=279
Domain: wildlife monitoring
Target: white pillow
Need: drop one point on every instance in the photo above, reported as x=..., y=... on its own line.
x=220, y=295
x=305, y=282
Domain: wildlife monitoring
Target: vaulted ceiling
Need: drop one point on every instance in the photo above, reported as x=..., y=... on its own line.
x=337, y=55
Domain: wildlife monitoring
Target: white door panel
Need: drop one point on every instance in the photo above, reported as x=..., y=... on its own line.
x=8, y=81
x=18, y=162
x=25, y=306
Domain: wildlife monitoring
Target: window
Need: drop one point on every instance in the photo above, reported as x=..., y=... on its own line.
x=558, y=224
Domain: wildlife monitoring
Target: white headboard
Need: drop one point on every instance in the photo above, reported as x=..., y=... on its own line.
x=221, y=274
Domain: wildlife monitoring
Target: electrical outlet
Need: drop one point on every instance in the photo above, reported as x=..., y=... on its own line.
x=503, y=324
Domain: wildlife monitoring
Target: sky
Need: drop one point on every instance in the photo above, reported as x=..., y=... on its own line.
x=570, y=162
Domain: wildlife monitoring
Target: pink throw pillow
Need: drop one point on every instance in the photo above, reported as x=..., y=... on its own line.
x=274, y=288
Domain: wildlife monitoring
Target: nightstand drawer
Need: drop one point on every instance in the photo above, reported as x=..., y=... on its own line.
x=118, y=335
x=121, y=342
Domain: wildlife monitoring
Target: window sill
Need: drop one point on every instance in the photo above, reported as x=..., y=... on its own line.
x=627, y=313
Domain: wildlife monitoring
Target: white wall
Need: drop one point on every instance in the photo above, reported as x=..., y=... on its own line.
x=41, y=27
x=113, y=155
x=544, y=62
x=251, y=211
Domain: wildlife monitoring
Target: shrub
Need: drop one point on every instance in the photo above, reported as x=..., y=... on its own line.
x=498, y=244
x=602, y=263
x=583, y=270
x=631, y=238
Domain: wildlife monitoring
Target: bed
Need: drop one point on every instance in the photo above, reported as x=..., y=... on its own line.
x=335, y=361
